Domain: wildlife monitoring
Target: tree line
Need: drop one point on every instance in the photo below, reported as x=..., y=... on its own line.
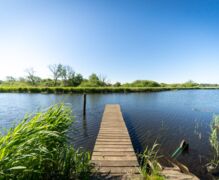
x=64, y=75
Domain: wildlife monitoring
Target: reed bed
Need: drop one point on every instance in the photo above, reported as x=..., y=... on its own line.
x=66, y=90
x=37, y=149
x=214, y=142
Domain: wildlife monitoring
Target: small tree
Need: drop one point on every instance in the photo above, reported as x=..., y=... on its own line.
x=31, y=76
x=69, y=75
x=22, y=79
x=117, y=84
x=10, y=79
x=77, y=80
x=93, y=81
x=93, y=78
x=103, y=80
x=190, y=83
x=57, y=71
x=63, y=73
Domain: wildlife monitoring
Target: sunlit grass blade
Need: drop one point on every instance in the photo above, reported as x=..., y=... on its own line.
x=37, y=149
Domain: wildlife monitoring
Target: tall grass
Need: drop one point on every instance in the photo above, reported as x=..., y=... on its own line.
x=214, y=141
x=37, y=149
x=64, y=90
x=149, y=165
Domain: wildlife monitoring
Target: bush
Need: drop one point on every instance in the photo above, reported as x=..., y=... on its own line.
x=142, y=83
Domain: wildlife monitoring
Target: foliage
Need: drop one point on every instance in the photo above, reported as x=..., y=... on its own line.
x=149, y=165
x=10, y=79
x=75, y=80
x=93, y=81
x=143, y=83
x=37, y=149
x=22, y=88
x=117, y=84
x=189, y=83
x=47, y=82
x=214, y=141
x=31, y=78
x=65, y=76
x=57, y=71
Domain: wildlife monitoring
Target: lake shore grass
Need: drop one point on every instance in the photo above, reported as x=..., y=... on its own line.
x=37, y=148
x=69, y=90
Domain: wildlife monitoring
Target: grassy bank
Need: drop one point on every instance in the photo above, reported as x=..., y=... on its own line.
x=65, y=90
x=37, y=149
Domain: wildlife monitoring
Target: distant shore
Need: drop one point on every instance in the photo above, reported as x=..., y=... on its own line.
x=69, y=90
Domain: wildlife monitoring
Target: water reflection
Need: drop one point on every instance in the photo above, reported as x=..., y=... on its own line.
x=85, y=126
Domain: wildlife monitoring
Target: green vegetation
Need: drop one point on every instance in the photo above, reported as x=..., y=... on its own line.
x=142, y=83
x=149, y=165
x=63, y=90
x=37, y=149
x=65, y=80
x=214, y=141
x=94, y=81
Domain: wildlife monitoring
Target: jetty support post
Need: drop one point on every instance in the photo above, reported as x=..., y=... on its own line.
x=84, y=104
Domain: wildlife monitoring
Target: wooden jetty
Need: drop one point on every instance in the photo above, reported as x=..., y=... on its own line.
x=113, y=151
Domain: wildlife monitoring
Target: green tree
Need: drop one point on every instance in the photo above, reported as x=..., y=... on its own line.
x=10, y=79
x=93, y=78
x=93, y=81
x=117, y=84
x=32, y=79
x=47, y=82
x=143, y=83
x=76, y=80
x=57, y=72
x=69, y=77
x=22, y=79
x=190, y=83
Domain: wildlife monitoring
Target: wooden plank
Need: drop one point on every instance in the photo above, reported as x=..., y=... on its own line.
x=114, y=158
x=113, y=151
x=113, y=129
x=111, y=142
x=113, y=146
x=110, y=163
x=114, y=133
x=110, y=153
x=113, y=138
x=106, y=135
x=119, y=170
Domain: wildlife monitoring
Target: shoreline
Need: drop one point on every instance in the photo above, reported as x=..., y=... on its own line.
x=80, y=90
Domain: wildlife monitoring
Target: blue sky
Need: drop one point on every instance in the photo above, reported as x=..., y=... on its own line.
x=162, y=40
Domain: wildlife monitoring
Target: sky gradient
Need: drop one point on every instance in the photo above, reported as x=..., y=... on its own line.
x=166, y=41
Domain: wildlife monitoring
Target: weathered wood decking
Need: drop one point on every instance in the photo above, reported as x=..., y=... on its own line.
x=113, y=152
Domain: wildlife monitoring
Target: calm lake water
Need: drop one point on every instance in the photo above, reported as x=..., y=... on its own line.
x=167, y=116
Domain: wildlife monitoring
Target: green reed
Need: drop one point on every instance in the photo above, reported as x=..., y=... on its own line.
x=37, y=149
x=214, y=141
x=149, y=165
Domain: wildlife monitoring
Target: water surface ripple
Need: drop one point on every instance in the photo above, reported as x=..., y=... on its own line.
x=167, y=117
